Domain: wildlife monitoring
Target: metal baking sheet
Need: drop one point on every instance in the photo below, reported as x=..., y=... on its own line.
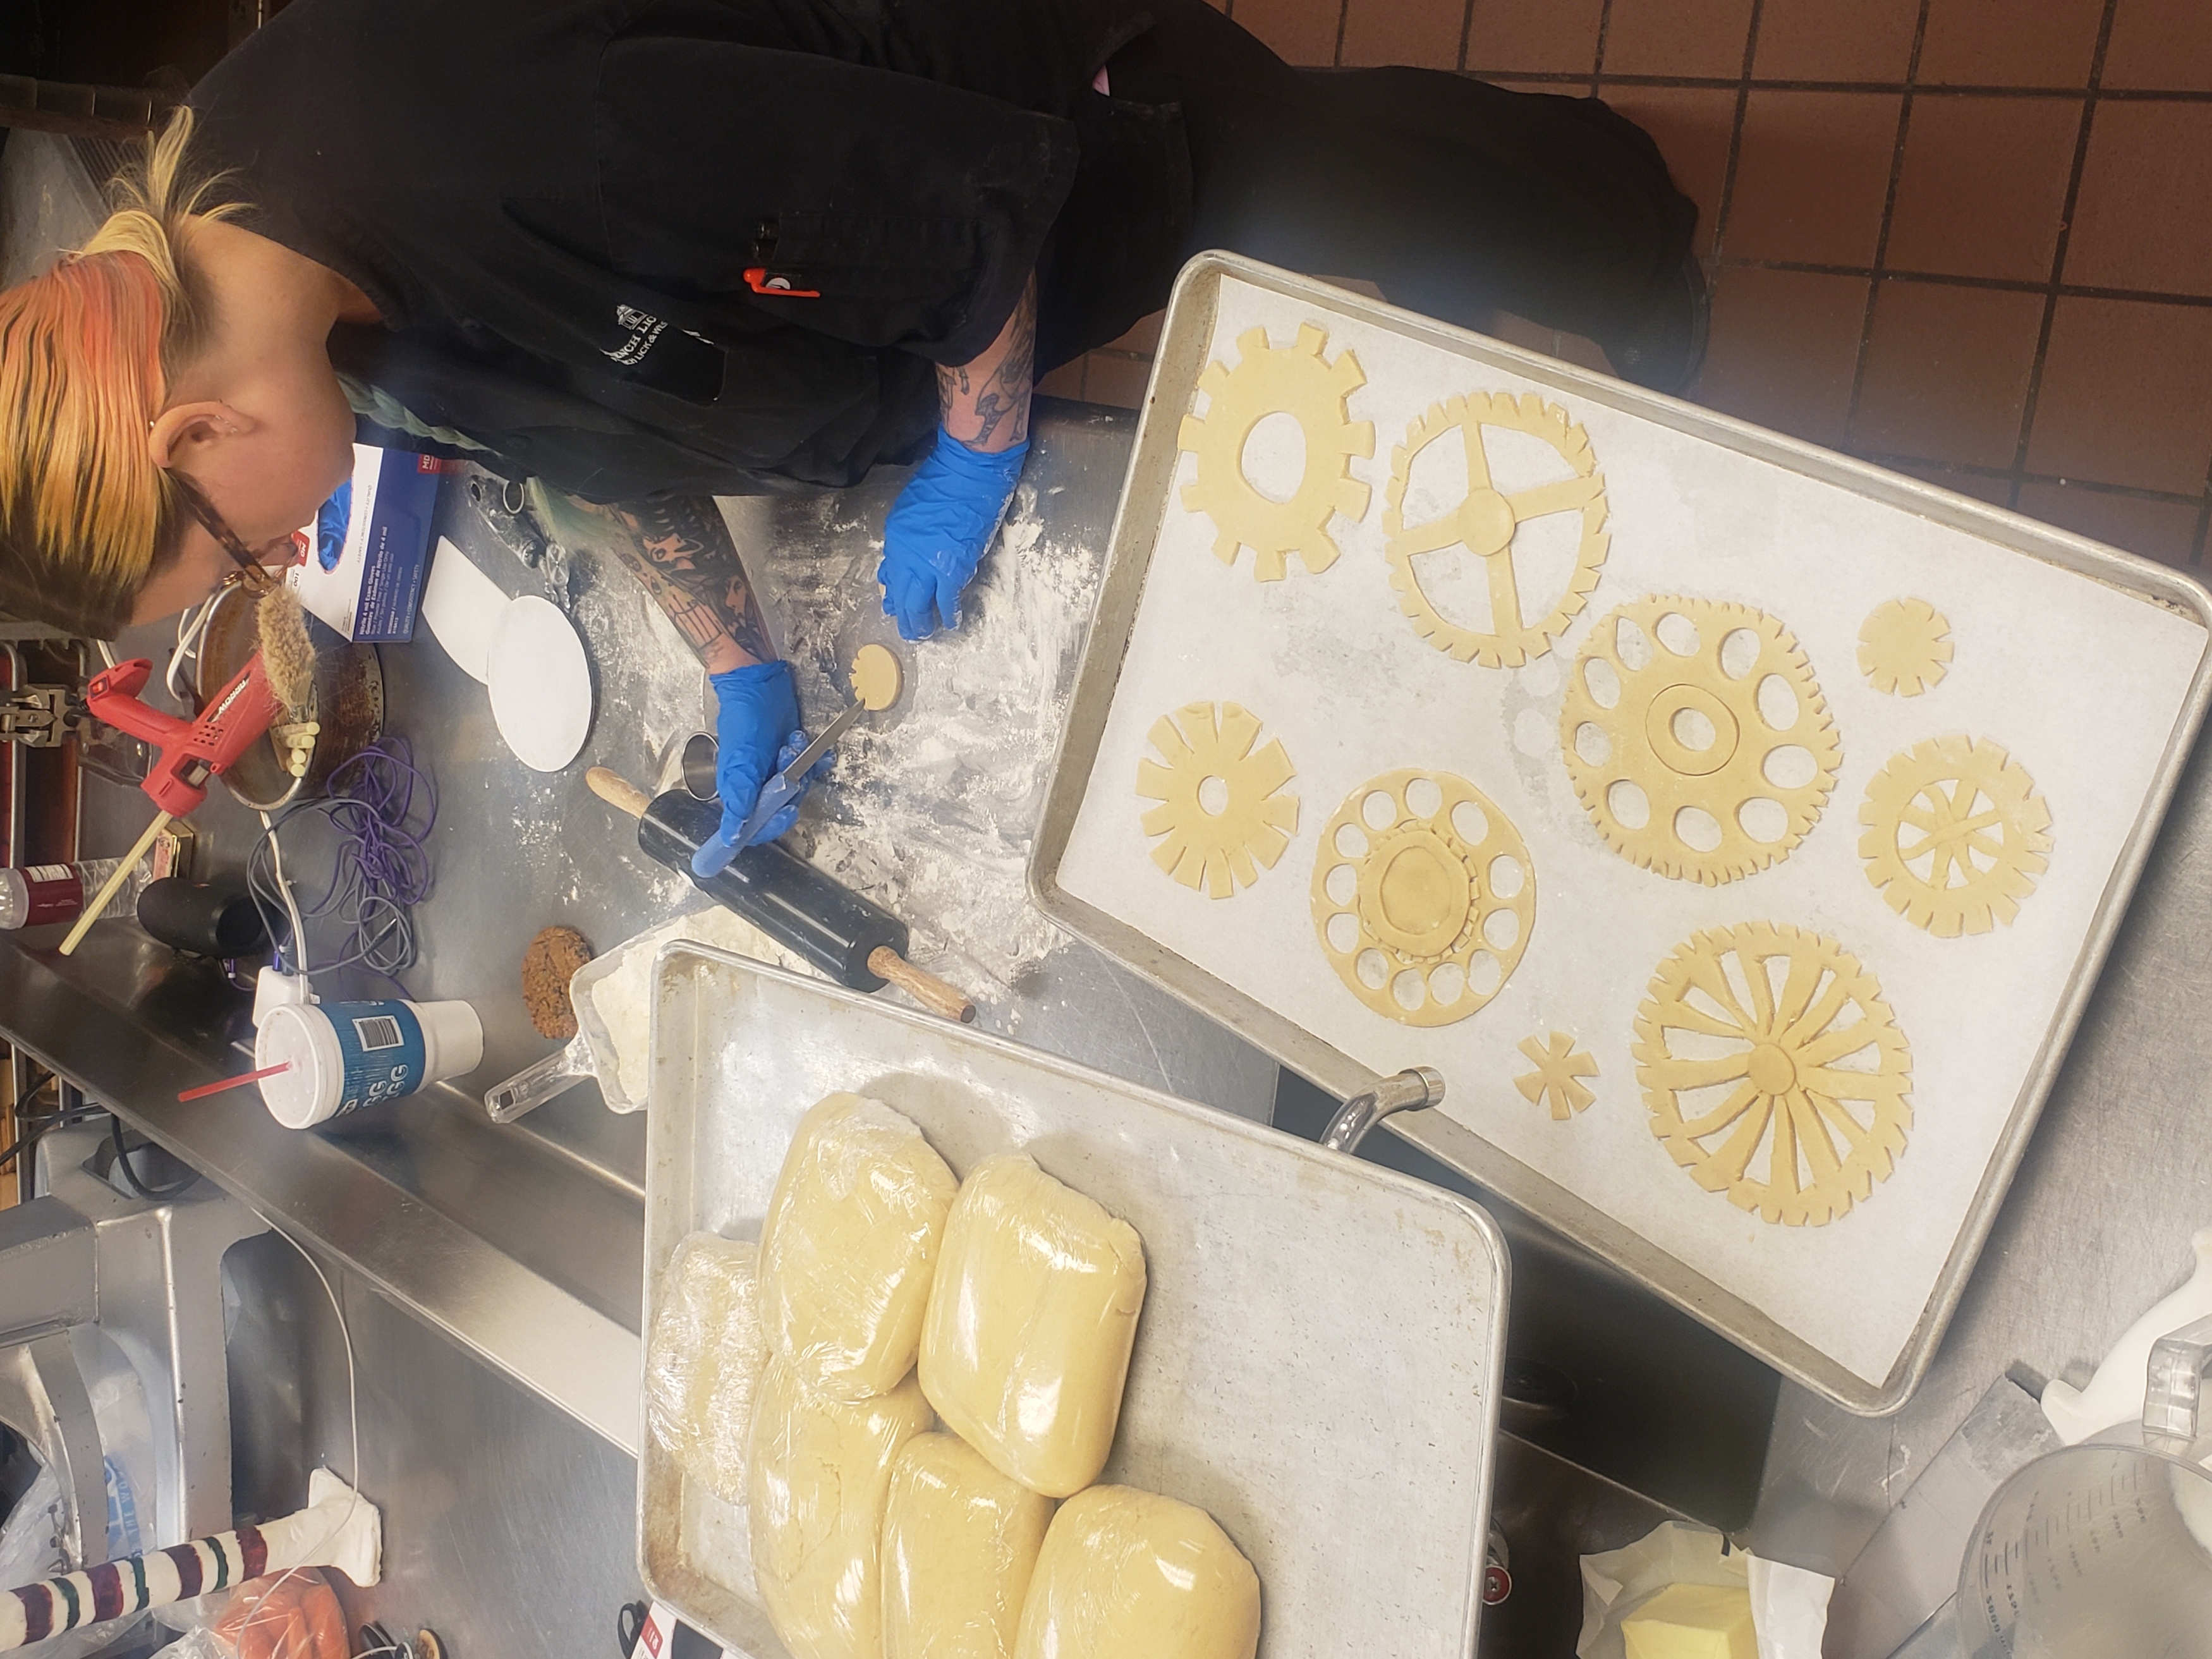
x=2089, y=666
x=1321, y=1341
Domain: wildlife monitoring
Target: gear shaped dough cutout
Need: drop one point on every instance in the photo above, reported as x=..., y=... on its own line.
x=1424, y=895
x=1905, y=647
x=1697, y=737
x=1774, y=1071
x=1299, y=381
x=1956, y=834
x=1487, y=522
x=1557, y=1083
x=1221, y=806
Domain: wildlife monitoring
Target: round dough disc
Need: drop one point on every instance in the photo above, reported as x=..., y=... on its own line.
x=876, y=677
x=541, y=686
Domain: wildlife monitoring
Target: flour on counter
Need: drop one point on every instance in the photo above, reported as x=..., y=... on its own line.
x=931, y=813
x=624, y=1000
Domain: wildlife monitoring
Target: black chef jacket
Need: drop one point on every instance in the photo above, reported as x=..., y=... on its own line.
x=636, y=246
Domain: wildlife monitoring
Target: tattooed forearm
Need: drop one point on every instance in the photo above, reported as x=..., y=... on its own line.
x=681, y=551
x=985, y=403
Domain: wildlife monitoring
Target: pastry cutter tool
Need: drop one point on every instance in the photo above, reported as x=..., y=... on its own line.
x=779, y=792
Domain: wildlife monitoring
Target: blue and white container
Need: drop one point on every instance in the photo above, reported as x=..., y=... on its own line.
x=342, y=1056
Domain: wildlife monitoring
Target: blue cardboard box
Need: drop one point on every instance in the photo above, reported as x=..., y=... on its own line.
x=359, y=567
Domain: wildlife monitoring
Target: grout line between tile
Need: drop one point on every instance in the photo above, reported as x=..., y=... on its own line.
x=2000, y=475
x=1999, y=285
x=1596, y=76
x=1343, y=17
x=2203, y=524
x=1466, y=34
x=1888, y=214
x=2058, y=253
x=1715, y=259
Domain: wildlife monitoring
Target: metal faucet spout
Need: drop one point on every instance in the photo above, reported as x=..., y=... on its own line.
x=1413, y=1088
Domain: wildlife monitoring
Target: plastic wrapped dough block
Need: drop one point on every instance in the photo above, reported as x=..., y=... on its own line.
x=1130, y=1575
x=703, y=1360
x=850, y=1245
x=1030, y=1324
x=959, y=1543
x=820, y=1470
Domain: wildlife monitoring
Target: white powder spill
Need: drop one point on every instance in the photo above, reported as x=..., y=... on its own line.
x=931, y=813
x=624, y=1000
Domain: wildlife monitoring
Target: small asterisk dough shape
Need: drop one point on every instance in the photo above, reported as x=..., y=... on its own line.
x=1299, y=381
x=1775, y=1070
x=1487, y=522
x=1905, y=647
x=1956, y=834
x=876, y=677
x=1697, y=737
x=1424, y=895
x=1221, y=805
x=1557, y=1081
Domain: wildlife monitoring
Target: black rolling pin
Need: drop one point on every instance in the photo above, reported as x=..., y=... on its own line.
x=856, y=942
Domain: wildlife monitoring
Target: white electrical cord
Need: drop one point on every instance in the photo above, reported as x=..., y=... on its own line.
x=191, y=625
x=296, y=957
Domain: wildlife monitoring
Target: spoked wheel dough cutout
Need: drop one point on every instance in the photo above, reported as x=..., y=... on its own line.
x=1220, y=802
x=1775, y=1070
x=1487, y=523
x=1905, y=646
x=1957, y=833
x=1557, y=1083
x=1424, y=895
x=1697, y=737
x=1295, y=380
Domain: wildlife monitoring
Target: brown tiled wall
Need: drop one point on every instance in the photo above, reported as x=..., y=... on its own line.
x=1971, y=240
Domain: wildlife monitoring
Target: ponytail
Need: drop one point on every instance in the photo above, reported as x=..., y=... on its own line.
x=88, y=350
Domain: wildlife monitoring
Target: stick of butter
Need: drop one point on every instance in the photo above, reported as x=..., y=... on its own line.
x=820, y=1471
x=960, y=1541
x=849, y=1246
x=1130, y=1575
x=1030, y=1324
x=1692, y=1621
x=703, y=1360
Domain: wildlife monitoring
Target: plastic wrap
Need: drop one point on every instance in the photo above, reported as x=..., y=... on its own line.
x=959, y=1543
x=1029, y=1329
x=702, y=1363
x=821, y=1470
x=288, y=1615
x=1130, y=1575
x=849, y=1246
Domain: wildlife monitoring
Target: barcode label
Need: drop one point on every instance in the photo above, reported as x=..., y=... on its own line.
x=48, y=872
x=377, y=1031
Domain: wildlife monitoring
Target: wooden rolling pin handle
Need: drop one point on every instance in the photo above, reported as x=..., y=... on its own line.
x=617, y=791
x=931, y=992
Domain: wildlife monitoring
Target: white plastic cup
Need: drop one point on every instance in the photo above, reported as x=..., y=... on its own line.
x=342, y=1056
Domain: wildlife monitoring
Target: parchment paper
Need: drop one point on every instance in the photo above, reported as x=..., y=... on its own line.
x=2081, y=682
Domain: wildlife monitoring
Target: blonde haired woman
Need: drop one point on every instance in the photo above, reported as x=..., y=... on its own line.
x=651, y=250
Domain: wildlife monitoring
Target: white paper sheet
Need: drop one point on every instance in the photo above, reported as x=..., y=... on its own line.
x=2081, y=682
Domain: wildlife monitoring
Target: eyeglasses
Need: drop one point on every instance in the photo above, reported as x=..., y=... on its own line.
x=253, y=575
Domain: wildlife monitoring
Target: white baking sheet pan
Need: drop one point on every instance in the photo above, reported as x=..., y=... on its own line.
x=1317, y=1362
x=2089, y=667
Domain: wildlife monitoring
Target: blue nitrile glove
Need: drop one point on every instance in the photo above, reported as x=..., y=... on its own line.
x=938, y=528
x=756, y=731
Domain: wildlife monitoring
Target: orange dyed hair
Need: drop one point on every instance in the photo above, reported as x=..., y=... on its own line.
x=86, y=351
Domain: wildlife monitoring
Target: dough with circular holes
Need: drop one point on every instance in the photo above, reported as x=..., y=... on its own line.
x=1423, y=900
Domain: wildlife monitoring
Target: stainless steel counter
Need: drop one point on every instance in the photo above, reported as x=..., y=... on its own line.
x=2095, y=1229
x=524, y=1242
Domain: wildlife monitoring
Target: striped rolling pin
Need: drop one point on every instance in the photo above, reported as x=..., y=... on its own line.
x=338, y=1529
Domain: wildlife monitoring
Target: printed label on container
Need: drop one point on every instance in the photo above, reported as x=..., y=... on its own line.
x=51, y=892
x=382, y=1043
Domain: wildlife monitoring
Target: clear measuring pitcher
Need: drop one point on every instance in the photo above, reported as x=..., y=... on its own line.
x=2104, y=1551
